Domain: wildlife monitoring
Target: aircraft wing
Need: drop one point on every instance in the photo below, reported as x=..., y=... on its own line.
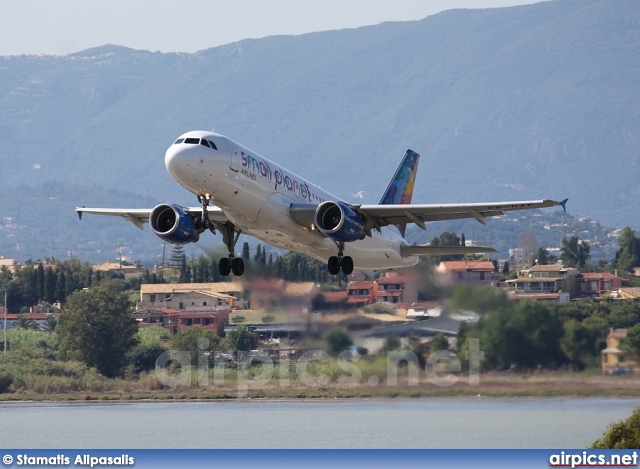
x=376, y=216
x=140, y=216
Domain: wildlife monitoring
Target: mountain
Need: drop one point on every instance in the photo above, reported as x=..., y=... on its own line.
x=515, y=103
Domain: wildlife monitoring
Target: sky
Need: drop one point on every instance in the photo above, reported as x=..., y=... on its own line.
x=60, y=27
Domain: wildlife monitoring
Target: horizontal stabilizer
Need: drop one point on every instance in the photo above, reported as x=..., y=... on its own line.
x=440, y=250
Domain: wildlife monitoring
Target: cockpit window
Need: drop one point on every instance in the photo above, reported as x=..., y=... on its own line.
x=180, y=140
x=191, y=140
x=213, y=145
x=204, y=142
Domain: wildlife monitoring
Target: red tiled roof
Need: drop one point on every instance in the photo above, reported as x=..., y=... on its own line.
x=31, y=316
x=392, y=277
x=598, y=276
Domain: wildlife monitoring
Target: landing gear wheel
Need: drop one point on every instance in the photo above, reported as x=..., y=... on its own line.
x=224, y=267
x=206, y=224
x=347, y=265
x=237, y=266
x=333, y=265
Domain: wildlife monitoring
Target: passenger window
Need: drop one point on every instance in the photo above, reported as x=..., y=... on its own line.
x=192, y=140
x=213, y=145
x=204, y=142
x=180, y=140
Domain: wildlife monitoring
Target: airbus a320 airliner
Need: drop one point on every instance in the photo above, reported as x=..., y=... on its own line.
x=240, y=191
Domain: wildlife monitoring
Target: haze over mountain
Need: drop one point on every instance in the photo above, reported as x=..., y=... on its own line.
x=528, y=102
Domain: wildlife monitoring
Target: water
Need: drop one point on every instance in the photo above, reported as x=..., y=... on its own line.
x=352, y=423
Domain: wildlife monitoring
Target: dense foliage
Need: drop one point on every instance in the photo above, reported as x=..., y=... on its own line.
x=528, y=335
x=621, y=435
x=97, y=328
x=34, y=284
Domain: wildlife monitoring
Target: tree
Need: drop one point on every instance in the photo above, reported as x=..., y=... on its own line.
x=337, y=341
x=624, y=434
x=195, y=340
x=575, y=253
x=143, y=357
x=631, y=343
x=575, y=343
x=246, y=252
x=528, y=243
x=97, y=328
x=527, y=335
x=628, y=255
x=446, y=238
x=439, y=342
x=241, y=339
x=542, y=257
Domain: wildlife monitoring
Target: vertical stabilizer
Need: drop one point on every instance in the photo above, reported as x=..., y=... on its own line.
x=400, y=189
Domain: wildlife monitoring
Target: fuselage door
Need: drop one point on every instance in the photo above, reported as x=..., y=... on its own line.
x=235, y=157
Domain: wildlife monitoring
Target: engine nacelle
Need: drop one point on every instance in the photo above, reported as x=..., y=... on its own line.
x=338, y=221
x=173, y=224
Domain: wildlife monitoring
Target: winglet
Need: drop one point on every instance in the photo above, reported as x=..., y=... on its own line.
x=564, y=203
x=79, y=212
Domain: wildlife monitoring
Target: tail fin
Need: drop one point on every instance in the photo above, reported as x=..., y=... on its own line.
x=400, y=189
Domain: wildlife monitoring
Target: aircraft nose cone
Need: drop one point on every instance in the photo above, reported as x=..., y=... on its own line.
x=171, y=159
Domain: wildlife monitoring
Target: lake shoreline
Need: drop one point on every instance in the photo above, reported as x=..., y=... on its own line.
x=490, y=385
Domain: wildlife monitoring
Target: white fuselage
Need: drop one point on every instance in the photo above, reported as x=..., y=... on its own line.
x=256, y=195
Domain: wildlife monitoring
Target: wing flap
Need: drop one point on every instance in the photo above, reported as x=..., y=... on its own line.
x=422, y=213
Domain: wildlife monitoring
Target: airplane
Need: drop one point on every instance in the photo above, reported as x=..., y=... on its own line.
x=240, y=191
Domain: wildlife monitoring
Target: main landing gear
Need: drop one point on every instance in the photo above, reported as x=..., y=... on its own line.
x=340, y=261
x=230, y=264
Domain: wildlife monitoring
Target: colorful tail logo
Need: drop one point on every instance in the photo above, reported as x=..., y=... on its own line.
x=400, y=188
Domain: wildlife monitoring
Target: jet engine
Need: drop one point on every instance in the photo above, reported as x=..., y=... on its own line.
x=173, y=224
x=339, y=222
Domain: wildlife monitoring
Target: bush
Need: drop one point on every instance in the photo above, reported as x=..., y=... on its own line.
x=6, y=380
x=337, y=341
x=143, y=357
x=621, y=435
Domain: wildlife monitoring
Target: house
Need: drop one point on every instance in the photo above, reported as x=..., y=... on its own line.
x=626, y=293
x=396, y=287
x=39, y=321
x=10, y=264
x=193, y=296
x=545, y=280
x=472, y=272
x=362, y=293
x=614, y=360
x=597, y=284
x=176, y=320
